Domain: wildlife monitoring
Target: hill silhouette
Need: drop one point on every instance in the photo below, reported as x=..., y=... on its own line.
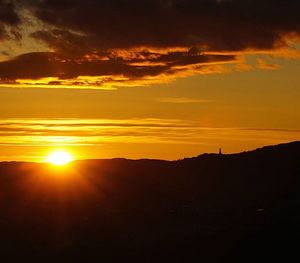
x=212, y=208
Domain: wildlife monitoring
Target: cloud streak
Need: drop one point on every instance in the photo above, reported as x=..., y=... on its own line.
x=182, y=100
x=93, y=132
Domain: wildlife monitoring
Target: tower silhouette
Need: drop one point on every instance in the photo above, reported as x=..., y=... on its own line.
x=220, y=151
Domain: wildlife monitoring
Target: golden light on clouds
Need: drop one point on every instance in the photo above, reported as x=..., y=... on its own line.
x=47, y=46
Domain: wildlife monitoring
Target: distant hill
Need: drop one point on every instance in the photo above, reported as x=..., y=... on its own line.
x=212, y=208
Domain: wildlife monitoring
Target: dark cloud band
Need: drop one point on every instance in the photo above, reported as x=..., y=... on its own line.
x=215, y=25
x=143, y=38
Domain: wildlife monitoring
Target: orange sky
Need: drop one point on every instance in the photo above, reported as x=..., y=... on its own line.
x=103, y=94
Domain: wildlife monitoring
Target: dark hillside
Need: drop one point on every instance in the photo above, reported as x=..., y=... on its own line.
x=212, y=208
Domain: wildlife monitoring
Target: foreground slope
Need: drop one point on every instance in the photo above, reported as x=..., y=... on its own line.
x=212, y=208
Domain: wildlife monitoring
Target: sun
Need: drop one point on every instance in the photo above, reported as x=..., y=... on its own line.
x=59, y=157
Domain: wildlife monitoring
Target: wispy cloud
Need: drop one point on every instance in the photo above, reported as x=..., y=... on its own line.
x=76, y=132
x=263, y=64
x=182, y=100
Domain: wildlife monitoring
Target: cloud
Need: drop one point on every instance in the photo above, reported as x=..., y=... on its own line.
x=263, y=64
x=8, y=19
x=226, y=25
x=95, y=132
x=182, y=100
x=139, y=42
x=49, y=68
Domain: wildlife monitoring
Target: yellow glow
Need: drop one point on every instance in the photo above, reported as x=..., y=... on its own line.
x=59, y=158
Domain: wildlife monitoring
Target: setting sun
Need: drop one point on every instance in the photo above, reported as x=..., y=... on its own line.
x=59, y=157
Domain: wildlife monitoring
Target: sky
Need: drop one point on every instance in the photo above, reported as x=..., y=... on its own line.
x=137, y=79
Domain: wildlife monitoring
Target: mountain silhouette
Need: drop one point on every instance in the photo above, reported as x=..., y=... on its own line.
x=241, y=207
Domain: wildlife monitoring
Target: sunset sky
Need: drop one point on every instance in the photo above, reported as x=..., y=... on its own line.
x=147, y=78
